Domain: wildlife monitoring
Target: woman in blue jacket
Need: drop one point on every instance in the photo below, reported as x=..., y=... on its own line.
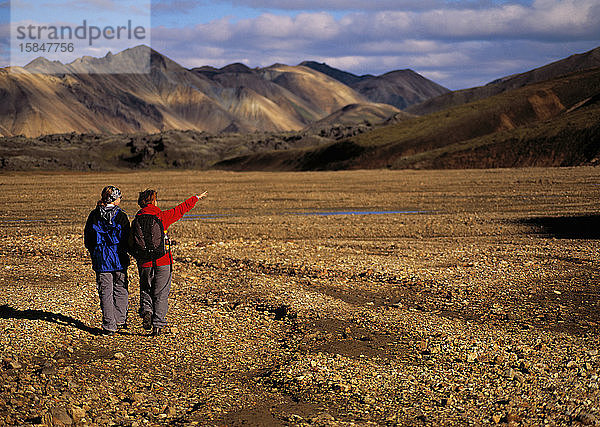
x=106, y=235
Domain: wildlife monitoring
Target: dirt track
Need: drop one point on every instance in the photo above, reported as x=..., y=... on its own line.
x=477, y=304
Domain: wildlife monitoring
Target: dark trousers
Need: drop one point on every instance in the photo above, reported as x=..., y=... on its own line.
x=155, y=286
x=114, y=298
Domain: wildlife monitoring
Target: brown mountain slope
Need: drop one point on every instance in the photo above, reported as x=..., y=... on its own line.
x=554, y=123
x=579, y=62
x=571, y=139
x=323, y=94
x=354, y=114
x=291, y=107
x=169, y=97
x=234, y=98
x=262, y=112
x=400, y=88
x=518, y=117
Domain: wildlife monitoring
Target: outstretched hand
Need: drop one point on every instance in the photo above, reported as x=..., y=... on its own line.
x=202, y=196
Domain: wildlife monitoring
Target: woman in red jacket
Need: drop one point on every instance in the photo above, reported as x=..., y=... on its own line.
x=155, y=277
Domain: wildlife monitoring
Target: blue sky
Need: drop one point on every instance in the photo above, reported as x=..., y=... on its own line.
x=453, y=42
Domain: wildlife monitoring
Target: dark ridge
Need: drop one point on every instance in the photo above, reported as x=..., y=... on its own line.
x=236, y=68
x=341, y=76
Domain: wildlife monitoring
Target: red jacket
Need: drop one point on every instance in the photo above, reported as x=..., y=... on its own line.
x=168, y=217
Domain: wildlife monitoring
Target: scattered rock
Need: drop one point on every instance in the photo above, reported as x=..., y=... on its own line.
x=587, y=419
x=77, y=413
x=11, y=364
x=60, y=416
x=138, y=397
x=243, y=353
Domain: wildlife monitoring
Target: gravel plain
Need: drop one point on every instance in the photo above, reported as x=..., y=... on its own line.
x=359, y=298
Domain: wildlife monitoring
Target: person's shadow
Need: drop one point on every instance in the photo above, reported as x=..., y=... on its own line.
x=8, y=312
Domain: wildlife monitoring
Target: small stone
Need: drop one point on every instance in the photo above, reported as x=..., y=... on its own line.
x=392, y=418
x=422, y=346
x=138, y=397
x=572, y=364
x=587, y=419
x=12, y=364
x=496, y=418
x=513, y=418
x=77, y=413
x=174, y=330
x=171, y=411
x=472, y=358
x=119, y=356
x=48, y=368
x=519, y=377
x=60, y=416
x=369, y=401
x=344, y=388
x=324, y=417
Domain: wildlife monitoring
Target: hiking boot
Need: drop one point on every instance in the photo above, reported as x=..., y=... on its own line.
x=147, y=321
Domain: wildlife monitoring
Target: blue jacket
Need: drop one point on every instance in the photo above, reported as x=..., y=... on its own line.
x=106, y=238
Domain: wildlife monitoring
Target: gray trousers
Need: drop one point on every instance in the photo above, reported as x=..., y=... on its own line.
x=114, y=298
x=155, y=286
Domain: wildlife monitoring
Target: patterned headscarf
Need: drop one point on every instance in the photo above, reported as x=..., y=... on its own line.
x=110, y=194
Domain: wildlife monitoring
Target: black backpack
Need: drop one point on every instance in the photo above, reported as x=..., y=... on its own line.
x=148, y=240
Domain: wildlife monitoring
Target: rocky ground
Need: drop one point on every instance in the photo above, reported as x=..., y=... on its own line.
x=477, y=303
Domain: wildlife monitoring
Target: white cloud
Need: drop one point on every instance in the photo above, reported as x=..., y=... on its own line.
x=174, y=5
x=457, y=43
x=387, y=47
x=462, y=45
x=545, y=19
x=317, y=26
x=438, y=60
x=348, y=5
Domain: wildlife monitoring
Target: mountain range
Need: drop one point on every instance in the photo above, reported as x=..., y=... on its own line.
x=305, y=117
x=48, y=97
x=400, y=88
x=577, y=62
x=554, y=122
